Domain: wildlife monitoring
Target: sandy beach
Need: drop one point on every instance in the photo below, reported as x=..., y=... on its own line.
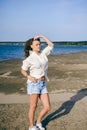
x=67, y=89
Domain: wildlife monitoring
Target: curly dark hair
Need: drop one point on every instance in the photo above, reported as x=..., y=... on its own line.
x=27, y=47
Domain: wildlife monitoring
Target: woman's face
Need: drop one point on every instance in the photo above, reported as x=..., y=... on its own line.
x=36, y=46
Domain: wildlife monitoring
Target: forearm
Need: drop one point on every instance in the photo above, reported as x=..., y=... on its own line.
x=48, y=41
x=24, y=73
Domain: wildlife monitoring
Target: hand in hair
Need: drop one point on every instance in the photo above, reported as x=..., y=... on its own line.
x=38, y=36
x=46, y=40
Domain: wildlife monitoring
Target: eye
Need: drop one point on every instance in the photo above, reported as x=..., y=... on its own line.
x=38, y=44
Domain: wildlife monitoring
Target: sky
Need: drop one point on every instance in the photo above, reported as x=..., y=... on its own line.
x=59, y=20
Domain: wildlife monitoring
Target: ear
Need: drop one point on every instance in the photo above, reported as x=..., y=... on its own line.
x=31, y=46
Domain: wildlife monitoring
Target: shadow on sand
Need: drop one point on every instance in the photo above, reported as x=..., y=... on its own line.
x=66, y=107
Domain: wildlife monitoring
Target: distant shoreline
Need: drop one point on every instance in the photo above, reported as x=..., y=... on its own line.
x=79, y=43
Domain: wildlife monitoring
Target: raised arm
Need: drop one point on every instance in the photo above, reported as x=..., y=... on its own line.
x=46, y=40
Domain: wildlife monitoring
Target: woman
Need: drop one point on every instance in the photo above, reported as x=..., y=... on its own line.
x=37, y=63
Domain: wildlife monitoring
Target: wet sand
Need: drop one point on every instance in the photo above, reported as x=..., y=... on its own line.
x=67, y=89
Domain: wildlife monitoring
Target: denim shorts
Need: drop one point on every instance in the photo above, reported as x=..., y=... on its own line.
x=37, y=88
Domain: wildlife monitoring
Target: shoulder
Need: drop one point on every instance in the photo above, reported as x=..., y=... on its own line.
x=47, y=50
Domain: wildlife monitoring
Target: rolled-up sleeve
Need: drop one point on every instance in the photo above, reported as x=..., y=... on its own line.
x=26, y=64
x=47, y=50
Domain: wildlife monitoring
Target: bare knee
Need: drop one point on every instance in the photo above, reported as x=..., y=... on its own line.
x=48, y=108
x=33, y=107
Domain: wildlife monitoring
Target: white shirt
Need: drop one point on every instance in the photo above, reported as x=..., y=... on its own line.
x=37, y=64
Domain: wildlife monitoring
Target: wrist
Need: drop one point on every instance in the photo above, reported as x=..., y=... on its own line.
x=43, y=37
x=26, y=75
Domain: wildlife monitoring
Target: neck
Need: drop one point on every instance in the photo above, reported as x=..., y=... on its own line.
x=37, y=52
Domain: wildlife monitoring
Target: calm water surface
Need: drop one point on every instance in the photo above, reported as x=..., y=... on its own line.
x=13, y=52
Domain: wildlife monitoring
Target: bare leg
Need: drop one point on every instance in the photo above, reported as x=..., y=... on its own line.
x=46, y=106
x=33, y=105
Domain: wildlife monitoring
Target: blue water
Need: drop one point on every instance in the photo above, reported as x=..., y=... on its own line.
x=12, y=52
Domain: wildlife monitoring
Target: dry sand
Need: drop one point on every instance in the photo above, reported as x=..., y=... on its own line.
x=67, y=89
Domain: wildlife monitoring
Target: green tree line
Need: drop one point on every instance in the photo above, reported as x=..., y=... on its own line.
x=68, y=43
